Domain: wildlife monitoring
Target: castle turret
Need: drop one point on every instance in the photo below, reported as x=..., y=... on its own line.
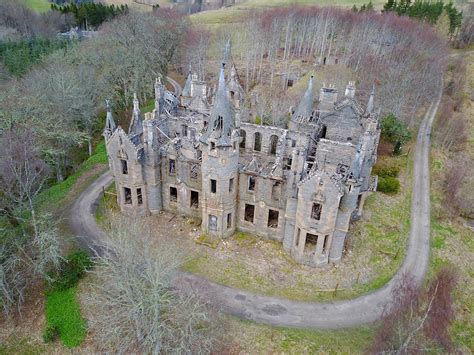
x=159, y=97
x=220, y=161
x=305, y=107
x=109, y=121
x=370, y=103
x=135, y=130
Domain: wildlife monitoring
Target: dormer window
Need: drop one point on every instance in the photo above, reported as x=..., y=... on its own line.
x=213, y=145
x=172, y=166
x=124, y=166
x=316, y=211
x=219, y=123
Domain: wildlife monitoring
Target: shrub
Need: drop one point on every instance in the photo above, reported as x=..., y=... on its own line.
x=388, y=185
x=51, y=334
x=386, y=171
x=72, y=270
x=395, y=132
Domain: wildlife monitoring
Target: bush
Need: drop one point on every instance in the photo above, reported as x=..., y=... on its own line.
x=72, y=270
x=395, y=132
x=388, y=185
x=51, y=334
x=386, y=171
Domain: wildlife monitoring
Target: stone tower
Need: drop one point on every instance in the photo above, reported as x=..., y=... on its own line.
x=220, y=166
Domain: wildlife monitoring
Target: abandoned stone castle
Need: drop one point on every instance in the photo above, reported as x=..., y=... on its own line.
x=196, y=155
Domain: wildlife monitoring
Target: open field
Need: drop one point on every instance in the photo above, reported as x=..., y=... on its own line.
x=452, y=242
x=37, y=5
x=234, y=13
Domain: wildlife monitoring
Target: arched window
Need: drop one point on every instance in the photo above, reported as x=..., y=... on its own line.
x=273, y=144
x=243, y=136
x=257, y=142
x=323, y=132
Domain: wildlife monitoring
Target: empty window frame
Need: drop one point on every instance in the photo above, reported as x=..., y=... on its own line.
x=194, y=172
x=257, y=141
x=212, y=223
x=251, y=183
x=249, y=213
x=173, y=194
x=194, y=199
x=298, y=233
x=229, y=220
x=127, y=193
x=243, y=136
x=124, y=166
x=213, y=145
x=184, y=130
x=231, y=185
x=139, y=196
x=273, y=218
x=310, y=243
x=316, y=211
x=273, y=144
x=213, y=186
x=172, y=167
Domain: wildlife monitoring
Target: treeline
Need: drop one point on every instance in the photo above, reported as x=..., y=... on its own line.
x=403, y=57
x=90, y=13
x=428, y=11
x=18, y=57
x=53, y=112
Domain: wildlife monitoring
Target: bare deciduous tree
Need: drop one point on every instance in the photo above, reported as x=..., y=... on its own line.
x=134, y=306
x=418, y=319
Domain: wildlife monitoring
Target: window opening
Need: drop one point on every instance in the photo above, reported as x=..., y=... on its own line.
x=257, y=145
x=310, y=243
x=212, y=223
x=251, y=183
x=194, y=199
x=273, y=218
x=213, y=186
x=124, y=167
x=273, y=145
x=229, y=220
x=173, y=194
x=243, y=135
x=128, y=195
x=139, y=196
x=231, y=185
x=249, y=212
x=325, y=244
x=172, y=166
x=316, y=211
x=193, y=173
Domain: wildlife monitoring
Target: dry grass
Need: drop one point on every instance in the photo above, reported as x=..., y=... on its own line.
x=452, y=242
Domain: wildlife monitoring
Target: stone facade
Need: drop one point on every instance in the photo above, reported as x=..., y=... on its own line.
x=195, y=155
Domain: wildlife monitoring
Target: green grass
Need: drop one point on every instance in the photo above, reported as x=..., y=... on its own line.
x=63, y=313
x=255, y=338
x=54, y=195
x=37, y=5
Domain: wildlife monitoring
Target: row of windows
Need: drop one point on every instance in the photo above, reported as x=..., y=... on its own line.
x=249, y=215
x=257, y=142
x=193, y=201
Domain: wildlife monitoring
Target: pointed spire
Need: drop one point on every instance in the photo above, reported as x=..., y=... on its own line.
x=136, y=125
x=221, y=122
x=305, y=107
x=159, y=92
x=233, y=72
x=109, y=120
x=187, y=85
x=370, y=103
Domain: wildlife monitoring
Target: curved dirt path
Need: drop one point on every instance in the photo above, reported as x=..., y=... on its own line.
x=283, y=312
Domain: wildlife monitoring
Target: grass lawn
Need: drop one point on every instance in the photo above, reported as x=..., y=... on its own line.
x=63, y=313
x=38, y=5
x=377, y=249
